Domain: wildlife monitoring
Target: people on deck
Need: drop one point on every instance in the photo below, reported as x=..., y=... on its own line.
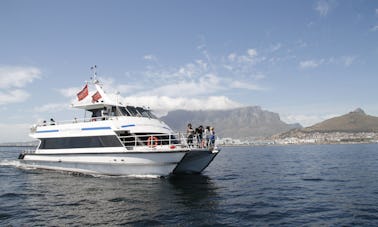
x=190, y=134
x=207, y=136
x=104, y=113
x=212, y=136
x=199, y=136
x=52, y=122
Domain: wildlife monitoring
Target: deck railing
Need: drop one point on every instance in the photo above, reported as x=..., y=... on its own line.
x=157, y=139
x=77, y=120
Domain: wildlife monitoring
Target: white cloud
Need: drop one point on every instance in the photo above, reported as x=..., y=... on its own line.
x=195, y=85
x=150, y=57
x=203, y=86
x=17, y=76
x=52, y=107
x=376, y=12
x=12, y=79
x=306, y=120
x=374, y=29
x=249, y=58
x=69, y=92
x=348, y=60
x=252, y=52
x=13, y=96
x=232, y=57
x=275, y=47
x=162, y=104
x=323, y=7
x=245, y=85
x=309, y=64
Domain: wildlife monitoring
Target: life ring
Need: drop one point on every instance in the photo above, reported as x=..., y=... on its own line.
x=152, y=141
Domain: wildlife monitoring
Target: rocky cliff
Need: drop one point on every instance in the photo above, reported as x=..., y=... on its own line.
x=240, y=123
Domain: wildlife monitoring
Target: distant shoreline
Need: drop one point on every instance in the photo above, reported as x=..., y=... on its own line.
x=291, y=144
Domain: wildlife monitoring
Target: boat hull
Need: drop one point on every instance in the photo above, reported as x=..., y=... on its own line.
x=115, y=164
x=195, y=161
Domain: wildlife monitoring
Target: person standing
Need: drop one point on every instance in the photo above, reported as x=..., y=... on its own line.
x=190, y=134
x=207, y=136
x=212, y=136
x=199, y=133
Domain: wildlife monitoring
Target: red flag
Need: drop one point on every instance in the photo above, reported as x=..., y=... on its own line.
x=96, y=96
x=83, y=93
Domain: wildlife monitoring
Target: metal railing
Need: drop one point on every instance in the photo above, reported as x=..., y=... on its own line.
x=77, y=120
x=157, y=139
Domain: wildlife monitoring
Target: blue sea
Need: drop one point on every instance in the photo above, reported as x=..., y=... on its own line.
x=331, y=185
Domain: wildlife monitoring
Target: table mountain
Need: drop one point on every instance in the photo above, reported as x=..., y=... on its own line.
x=240, y=123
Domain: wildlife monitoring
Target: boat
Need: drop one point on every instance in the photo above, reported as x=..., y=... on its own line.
x=114, y=139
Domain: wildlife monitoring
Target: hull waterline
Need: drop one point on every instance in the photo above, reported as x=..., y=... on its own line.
x=117, y=164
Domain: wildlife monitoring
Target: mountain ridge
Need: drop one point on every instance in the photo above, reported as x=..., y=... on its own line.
x=354, y=121
x=353, y=126
x=238, y=123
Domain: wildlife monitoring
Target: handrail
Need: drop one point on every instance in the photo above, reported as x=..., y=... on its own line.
x=177, y=139
x=77, y=120
x=83, y=120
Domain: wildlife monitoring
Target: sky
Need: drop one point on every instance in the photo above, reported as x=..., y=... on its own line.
x=306, y=60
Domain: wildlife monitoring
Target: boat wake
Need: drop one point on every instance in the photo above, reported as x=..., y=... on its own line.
x=14, y=163
x=148, y=176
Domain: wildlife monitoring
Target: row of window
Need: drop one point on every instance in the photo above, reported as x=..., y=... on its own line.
x=123, y=111
x=80, y=142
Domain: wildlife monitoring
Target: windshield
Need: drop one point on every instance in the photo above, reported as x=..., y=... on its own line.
x=124, y=111
x=135, y=112
x=143, y=112
x=132, y=110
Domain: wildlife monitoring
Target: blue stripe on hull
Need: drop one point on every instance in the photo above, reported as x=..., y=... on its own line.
x=47, y=131
x=96, y=128
x=126, y=126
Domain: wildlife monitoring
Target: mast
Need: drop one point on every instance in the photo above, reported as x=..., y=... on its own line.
x=94, y=77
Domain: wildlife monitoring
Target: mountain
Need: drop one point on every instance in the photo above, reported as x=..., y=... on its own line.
x=239, y=123
x=355, y=121
x=341, y=128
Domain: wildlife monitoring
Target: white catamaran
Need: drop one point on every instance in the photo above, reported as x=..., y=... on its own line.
x=116, y=139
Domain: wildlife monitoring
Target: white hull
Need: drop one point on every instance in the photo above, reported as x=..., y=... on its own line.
x=126, y=163
x=195, y=161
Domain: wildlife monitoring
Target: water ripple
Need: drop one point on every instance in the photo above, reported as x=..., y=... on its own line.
x=328, y=185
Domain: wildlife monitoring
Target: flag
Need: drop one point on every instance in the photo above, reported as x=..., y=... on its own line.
x=96, y=96
x=83, y=93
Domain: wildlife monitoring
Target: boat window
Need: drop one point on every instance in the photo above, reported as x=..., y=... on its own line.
x=114, y=112
x=96, y=112
x=143, y=112
x=79, y=142
x=133, y=111
x=151, y=114
x=124, y=111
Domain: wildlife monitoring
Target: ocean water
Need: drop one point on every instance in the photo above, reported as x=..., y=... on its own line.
x=332, y=185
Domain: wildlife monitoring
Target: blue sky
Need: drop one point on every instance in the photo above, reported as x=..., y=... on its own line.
x=306, y=60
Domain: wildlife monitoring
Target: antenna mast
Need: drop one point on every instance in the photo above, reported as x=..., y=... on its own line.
x=94, y=71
